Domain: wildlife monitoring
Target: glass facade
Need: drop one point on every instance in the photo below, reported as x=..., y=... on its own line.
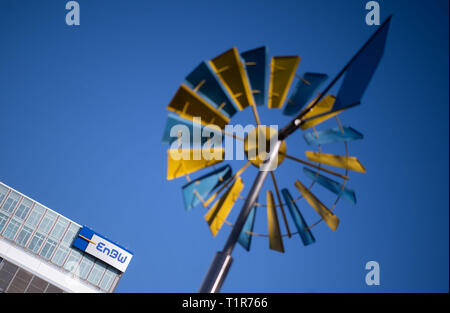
x=49, y=236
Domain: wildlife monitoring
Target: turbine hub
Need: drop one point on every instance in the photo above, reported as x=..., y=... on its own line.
x=257, y=145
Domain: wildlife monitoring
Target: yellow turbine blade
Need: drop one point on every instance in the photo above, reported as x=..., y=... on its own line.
x=319, y=114
x=217, y=215
x=231, y=72
x=275, y=239
x=328, y=216
x=282, y=72
x=238, y=173
x=277, y=192
x=315, y=121
x=324, y=105
x=181, y=162
x=188, y=104
x=350, y=163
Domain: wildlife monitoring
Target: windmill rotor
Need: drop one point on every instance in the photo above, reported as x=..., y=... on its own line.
x=219, y=88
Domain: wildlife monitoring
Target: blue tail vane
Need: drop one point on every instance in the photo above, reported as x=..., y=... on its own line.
x=203, y=80
x=245, y=239
x=331, y=185
x=302, y=228
x=332, y=135
x=198, y=189
x=303, y=91
x=361, y=69
x=257, y=66
x=175, y=120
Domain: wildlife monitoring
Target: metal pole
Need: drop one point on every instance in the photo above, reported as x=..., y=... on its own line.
x=221, y=263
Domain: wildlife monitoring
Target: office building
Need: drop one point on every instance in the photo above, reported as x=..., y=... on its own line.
x=43, y=251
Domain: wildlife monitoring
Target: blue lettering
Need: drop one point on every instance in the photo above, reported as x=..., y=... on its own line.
x=114, y=253
x=100, y=245
x=123, y=259
x=106, y=250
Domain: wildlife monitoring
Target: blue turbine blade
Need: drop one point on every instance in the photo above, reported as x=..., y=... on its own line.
x=211, y=89
x=204, y=185
x=245, y=239
x=175, y=120
x=332, y=135
x=331, y=185
x=257, y=72
x=361, y=70
x=302, y=228
x=303, y=92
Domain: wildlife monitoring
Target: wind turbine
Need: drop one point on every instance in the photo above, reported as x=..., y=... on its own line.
x=219, y=88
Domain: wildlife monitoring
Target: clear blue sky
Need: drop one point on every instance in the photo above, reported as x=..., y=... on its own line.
x=82, y=111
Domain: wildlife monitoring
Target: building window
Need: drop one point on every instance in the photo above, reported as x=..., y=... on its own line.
x=72, y=261
x=24, y=235
x=36, y=242
x=85, y=266
x=23, y=209
x=70, y=234
x=11, y=229
x=63, y=248
x=108, y=279
x=54, y=237
x=96, y=273
x=10, y=203
x=3, y=192
x=3, y=220
x=60, y=255
x=35, y=216
x=48, y=249
x=47, y=222
x=43, y=229
x=59, y=228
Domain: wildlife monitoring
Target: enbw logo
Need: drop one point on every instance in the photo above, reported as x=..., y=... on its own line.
x=112, y=253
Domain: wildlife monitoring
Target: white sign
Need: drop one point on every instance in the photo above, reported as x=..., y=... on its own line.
x=109, y=252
